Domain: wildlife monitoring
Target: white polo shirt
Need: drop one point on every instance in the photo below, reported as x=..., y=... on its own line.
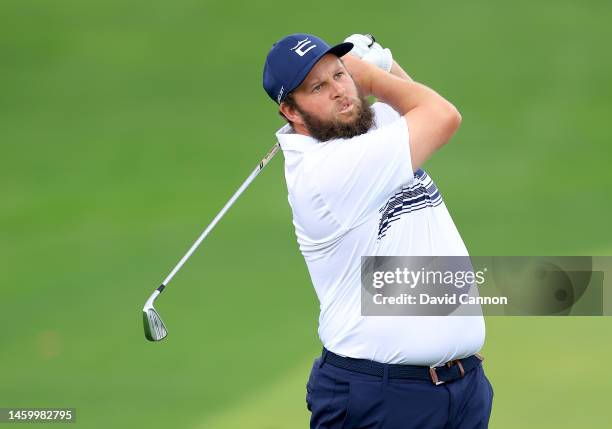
x=359, y=197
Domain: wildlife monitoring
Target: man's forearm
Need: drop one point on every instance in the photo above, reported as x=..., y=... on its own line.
x=397, y=70
x=401, y=93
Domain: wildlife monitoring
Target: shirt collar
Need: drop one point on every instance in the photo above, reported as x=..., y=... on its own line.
x=290, y=140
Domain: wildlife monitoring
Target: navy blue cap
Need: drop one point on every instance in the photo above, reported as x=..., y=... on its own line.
x=291, y=59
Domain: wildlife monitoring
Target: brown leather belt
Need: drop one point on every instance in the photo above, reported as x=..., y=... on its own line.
x=450, y=371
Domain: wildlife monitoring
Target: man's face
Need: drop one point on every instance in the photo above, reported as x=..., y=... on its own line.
x=328, y=104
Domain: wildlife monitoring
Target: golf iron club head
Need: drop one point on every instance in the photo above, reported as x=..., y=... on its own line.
x=154, y=328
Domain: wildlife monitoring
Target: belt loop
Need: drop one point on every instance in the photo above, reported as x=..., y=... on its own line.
x=460, y=365
x=386, y=374
x=323, y=357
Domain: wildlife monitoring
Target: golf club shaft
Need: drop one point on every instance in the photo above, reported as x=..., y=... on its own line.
x=217, y=218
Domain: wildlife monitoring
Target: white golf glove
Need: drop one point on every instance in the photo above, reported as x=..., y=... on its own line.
x=367, y=49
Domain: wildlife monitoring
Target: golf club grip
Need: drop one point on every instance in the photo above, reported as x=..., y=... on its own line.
x=219, y=215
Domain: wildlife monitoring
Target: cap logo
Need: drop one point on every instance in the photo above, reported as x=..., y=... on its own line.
x=299, y=48
x=280, y=94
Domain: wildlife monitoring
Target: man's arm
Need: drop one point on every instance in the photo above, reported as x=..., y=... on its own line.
x=397, y=70
x=431, y=119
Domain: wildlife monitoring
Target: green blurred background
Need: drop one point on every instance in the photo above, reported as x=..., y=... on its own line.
x=126, y=125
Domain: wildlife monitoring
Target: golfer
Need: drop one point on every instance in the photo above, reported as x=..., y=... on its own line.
x=356, y=188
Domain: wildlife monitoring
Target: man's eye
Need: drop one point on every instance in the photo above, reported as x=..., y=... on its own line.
x=316, y=88
x=339, y=75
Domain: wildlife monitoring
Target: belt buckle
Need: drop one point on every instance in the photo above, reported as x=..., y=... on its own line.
x=434, y=376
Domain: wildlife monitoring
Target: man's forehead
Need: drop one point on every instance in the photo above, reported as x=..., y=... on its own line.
x=323, y=66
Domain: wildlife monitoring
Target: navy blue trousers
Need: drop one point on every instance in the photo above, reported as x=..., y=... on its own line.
x=342, y=399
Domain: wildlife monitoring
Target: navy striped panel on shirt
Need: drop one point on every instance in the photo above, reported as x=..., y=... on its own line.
x=420, y=194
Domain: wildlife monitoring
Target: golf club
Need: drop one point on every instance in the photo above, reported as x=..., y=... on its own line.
x=154, y=328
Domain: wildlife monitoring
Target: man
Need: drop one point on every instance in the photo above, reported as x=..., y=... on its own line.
x=356, y=188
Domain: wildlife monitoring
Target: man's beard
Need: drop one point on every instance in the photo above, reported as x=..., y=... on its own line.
x=327, y=130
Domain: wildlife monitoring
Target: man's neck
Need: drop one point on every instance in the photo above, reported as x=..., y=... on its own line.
x=300, y=129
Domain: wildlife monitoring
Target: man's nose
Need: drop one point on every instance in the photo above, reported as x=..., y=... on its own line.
x=338, y=89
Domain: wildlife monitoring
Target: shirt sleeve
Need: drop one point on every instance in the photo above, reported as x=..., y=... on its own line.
x=385, y=114
x=356, y=176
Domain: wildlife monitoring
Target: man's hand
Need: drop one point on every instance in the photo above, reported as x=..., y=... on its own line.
x=361, y=44
x=367, y=49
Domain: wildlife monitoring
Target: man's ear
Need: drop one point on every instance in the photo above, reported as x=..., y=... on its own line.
x=290, y=113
